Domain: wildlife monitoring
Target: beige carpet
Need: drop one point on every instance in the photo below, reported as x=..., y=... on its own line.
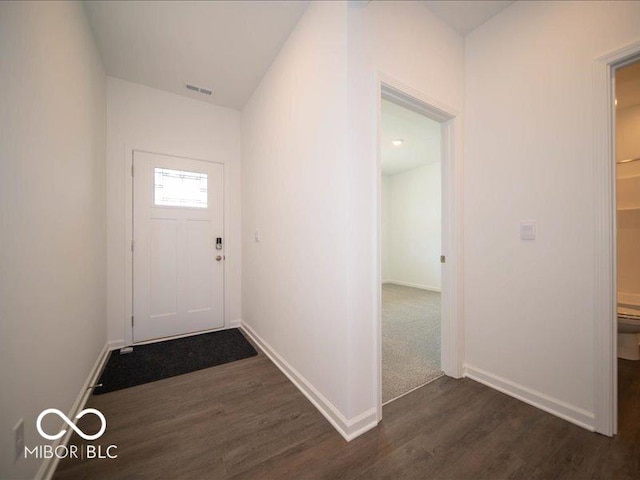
x=410, y=339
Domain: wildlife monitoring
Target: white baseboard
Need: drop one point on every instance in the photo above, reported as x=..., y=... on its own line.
x=115, y=344
x=49, y=465
x=413, y=285
x=348, y=428
x=234, y=323
x=571, y=413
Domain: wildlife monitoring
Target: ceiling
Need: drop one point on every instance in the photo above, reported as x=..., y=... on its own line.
x=628, y=86
x=465, y=16
x=225, y=46
x=421, y=139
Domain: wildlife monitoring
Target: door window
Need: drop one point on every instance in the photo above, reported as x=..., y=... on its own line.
x=179, y=188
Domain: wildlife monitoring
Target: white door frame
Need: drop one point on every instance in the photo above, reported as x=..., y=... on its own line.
x=452, y=348
x=128, y=239
x=604, y=179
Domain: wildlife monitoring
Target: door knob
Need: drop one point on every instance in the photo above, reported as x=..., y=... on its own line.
x=218, y=257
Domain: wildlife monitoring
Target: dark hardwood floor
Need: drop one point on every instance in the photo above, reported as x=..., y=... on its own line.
x=245, y=420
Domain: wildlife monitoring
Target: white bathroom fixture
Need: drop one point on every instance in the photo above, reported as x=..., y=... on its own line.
x=628, y=331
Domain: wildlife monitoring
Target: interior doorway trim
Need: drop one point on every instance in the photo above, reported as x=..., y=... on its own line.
x=604, y=180
x=452, y=313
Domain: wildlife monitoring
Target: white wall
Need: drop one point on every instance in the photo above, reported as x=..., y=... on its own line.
x=309, y=177
x=528, y=147
x=294, y=281
x=413, y=227
x=52, y=215
x=627, y=137
x=385, y=228
x=144, y=118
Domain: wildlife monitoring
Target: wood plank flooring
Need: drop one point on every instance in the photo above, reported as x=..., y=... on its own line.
x=245, y=420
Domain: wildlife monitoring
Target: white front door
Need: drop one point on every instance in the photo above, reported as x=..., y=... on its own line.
x=178, y=255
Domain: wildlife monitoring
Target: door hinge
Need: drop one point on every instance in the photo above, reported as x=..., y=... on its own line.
x=132, y=169
x=131, y=321
x=132, y=244
x=443, y=259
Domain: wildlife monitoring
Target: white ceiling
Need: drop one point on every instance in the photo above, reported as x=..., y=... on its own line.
x=628, y=86
x=225, y=46
x=421, y=139
x=465, y=16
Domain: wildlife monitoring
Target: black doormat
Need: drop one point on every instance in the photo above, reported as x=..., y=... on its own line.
x=155, y=361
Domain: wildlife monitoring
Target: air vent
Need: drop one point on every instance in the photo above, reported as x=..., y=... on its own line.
x=194, y=88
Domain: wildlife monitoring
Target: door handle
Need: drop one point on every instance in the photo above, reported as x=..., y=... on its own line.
x=219, y=257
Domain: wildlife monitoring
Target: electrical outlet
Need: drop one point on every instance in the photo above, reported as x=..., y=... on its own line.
x=18, y=436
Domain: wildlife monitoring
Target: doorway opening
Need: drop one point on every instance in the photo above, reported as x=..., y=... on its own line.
x=411, y=246
x=605, y=306
x=627, y=155
x=446, y=251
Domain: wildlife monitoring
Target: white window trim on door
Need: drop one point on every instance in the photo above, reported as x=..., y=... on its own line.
x=605, y=269
x=452, y=316
x=128, y=238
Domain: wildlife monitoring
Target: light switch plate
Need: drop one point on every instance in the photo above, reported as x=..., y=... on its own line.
x=528, y=230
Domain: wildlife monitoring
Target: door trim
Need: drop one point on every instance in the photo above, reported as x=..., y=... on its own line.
x=128, y=238
x=452, y=316
x=605, y=271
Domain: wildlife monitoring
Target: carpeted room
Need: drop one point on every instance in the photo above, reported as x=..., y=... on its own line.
x=411, y=248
